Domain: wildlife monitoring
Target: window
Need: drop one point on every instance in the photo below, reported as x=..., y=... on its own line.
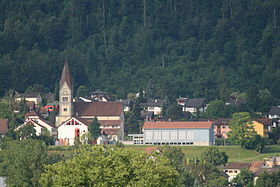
x=235, y=171
x=65, y=99
x=65, y=109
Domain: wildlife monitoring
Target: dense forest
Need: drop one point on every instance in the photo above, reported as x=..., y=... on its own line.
x=189, y=48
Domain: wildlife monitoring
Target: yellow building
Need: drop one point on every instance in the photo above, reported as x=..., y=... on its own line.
x=262, y=126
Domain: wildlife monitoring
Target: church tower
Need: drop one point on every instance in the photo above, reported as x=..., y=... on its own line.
x=65, y=96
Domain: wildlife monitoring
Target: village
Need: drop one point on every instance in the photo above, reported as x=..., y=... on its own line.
x=76, y=115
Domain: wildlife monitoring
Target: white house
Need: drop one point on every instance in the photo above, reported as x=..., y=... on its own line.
x=195, y=105
x=153, y=106
x=75, y=127
x=274, y=112
x=30, y=97
x=40, y=124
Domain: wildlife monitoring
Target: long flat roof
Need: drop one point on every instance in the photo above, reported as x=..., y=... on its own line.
x=178, y=125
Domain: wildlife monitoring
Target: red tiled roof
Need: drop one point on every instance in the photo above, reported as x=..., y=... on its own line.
x=110, y=122
x=110, y=131
x=180, y=124
x=236, y=165
x=98, y=109
x=255, y=166
x=32, y=113
x=264, y=121
x=3, y=126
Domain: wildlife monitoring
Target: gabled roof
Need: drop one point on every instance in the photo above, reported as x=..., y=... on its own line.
x=32, y=113
x=275, y=110
x=195, y=102
x=28, y=95
x=178, y=124
x=98, y=109
x=264, y=121
x=221, y=121
x=3, y=126
x=110, y=122
x=236, y=165
x=65, y=76
x=156, y=103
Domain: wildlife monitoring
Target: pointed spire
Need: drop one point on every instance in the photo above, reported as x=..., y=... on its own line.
x=65, y=76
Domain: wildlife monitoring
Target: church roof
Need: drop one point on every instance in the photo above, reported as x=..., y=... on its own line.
x=98, y=109
x=65, y=76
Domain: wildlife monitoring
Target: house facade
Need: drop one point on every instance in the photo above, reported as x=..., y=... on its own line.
x=262, y=126
x=30, y=97
x=153, y=106
x=178, y=133
x=195, y=105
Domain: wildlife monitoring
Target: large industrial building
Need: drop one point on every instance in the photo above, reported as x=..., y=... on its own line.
x=178, y=133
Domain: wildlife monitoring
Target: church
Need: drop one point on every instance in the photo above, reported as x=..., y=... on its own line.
x=74, y=117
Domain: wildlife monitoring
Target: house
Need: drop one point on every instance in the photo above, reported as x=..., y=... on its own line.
x=99, y=95
x=178, y=133
x=153, y=106
x=136, y=138
x=181, y=101
x=31, y=97
x=195, y=105
x=50, y=107
x=260, y=167
x=274, y=161
x=232, y=169
x=110, y=113
x=221, y=127
x=127, y=105
x=147, y=115
x=274, y=112
x=4, y=124
x=76, y=127
x=262, y=126
x=39, y=124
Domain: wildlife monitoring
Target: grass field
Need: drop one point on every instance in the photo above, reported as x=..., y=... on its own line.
x=235, y=153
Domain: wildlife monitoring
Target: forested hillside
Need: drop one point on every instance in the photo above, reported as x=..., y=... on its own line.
x=191, y=48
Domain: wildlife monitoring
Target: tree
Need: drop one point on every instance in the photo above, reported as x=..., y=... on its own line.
x=98, y=166
x=82, y=91
x=244, y=178
x=207, y=174
x=268, y=180
x=215, y=109
x=22, y=162
x=176, y=158
x=94, y=128
x=25, y=132
x=242, y=129
x=214, y=156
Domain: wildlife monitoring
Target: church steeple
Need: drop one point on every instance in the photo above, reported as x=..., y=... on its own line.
x=65, y=96
x=66, y=77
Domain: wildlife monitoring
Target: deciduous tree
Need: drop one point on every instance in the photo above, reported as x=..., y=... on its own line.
x=242, y=129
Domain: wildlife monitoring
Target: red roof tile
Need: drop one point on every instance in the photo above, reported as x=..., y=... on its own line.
x=110, y=122
x=32, y=113
x=3, y=126
x=98, y=109
x=180, y=124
